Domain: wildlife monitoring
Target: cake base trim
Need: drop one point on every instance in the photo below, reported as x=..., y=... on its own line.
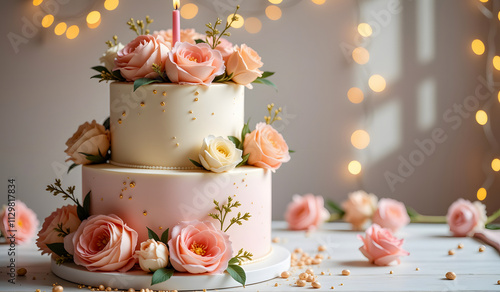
x=267, y=269
x=155, y=166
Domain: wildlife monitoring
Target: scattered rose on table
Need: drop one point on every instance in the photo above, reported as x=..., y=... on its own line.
x=306, y=212
x=465, y=218
x=359, y=208
x=381, y=247
x=25, y=224
x=391, y=214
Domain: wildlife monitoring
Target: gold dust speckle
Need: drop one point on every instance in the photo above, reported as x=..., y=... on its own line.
x=124, y=183
x=130, y=198
x=234, y=183
x=177, y=144
x=190, y=112
x=246, y=185
x=213, y=114
x=124, y=114
x=119, y=121
x=164, y=93
x=162, y=103
x=194, y=119
x=145, y=213
x=196, y=99
x=174, y=137
x=142, y=103
x=196, y=93
x=161, y=227
x=121, y=196
x=154, y=91
x=102, y=199
x=163, y=110
x=132, y=184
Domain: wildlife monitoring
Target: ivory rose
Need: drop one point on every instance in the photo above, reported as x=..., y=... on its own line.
x=359, y=208
x=193, y=64
x=187, y=35
x=136, y=59
x=198, y=247
x=152, y=255
x=381, y=247
x=244, y=64
x=65, y=217
x=23, y=227
x=306, y=212
x=466, y=218
x=391, y=214
x=90, y=139
x=108, y=58
x=104, y=243
x=266, y=146
x=218, y=154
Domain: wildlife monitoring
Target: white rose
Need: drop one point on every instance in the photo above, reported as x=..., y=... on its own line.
x=218, y=154
x=108, y=58
x=152, y=255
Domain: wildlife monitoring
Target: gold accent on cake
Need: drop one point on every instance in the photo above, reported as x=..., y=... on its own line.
x=124, y=114
x=177, y=144
x=154, y=91
x=124, y=183
x=121, y=196
x=163, y=110
x=145, y=213
x=102, y=199
x=161, y=227
x=162, y=103
x=196, y=99
x=130, y=198
x=164, y=93
x=174, y=137
x=196, y=93
x=132, y=184
x=143, y=103
x=194, y=119
x=119, y=121
x=213, y=114
x=190, y=112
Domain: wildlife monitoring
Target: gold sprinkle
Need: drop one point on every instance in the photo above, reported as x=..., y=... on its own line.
x=213, y=114
x=124, y=183
x=190, y=112
x=163, y=110
x=482, y=248
x=417, y=269
x=119, y=121
x=177, y=144
x=196, y=99
x=130, y=198
x=22, y=271
x=121, y=196
x=164, y=93
x=276, y=240
x=321, y=248
x=322, y=273
x=124, y=114
x=102, y=199
x=145, y=213
x=316, y=285
x=154, y=91
x=275, y=284
x=347, y=272
x=142, y=103
x=132, y=184
x=498, y=282
x=194, y=119
x=391, y=272
x=451, y=276
x=285, y=274
x=161, y=227
x=341, y=284
x=162, y=103
x=196, y=93
x=460, y=246
x=301, y=283
x=451, y=252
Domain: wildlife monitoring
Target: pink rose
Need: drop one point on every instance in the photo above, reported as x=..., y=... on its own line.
x=391, y=214
x=225, y=47
x=65, y=217
x=266, y=146
x=136, y=59
x=187, y=35
x=466, y=218
x=193, y=64
x=104, y=243
x=359, y=208
x=381, y=247
x=18, y=221
x=89, y=139
x=306, y=212
x=244, y=64
x=198, y=247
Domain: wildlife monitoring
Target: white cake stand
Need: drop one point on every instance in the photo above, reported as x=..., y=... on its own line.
x=266, y=269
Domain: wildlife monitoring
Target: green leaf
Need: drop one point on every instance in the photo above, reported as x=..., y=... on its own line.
x=492, y=226
x=234, y=261
x=291, y=151
x=237, y=273
x=236, y=141
x=106, y=123
x=244, y=161
x=161, y=275
x=80, y=211
x=86, y=205
x=100, y=69
x=265, y=82
x=152, y=235
x=245, y=131
x=335, y=208
x=164, y=237
x=411, y=212
x=199, y=41
x=72, y=166
x=98, y=76
x=196, y=163
x=144, y=81
x=57, y=248
x=266, y=74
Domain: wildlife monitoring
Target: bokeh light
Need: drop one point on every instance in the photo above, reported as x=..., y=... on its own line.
x=377, y=83
x=481, y=117
x=253, y=25
x=481, y=194
x=495, y=164
x=47, y=20
x=360, y=139
x=355, y=95
x=275, y=1
x=189, y=10
x=365, y=30
x=477, y=47
x=496, y=62
x=111, y=4
x=72, y=32
x=237, y=23
x=273, y=12
x=354, y=167
x=319, y=2
x=360, y=55
x=37, y=2
x=60, y=28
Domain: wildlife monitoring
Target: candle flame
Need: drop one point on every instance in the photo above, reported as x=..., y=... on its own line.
x=177, y=3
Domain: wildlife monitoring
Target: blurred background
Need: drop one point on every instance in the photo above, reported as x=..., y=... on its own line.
x=398, y=98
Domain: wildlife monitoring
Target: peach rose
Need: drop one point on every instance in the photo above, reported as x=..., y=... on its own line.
x=136, y=59
x=391, y=214
x=381, y=247
x=67, y=217
x=359, y=208
x=466, y=218
x=244, y=64
x=266, y=146
x=104, y=243
x=89, y=139
x=306, y=212
x=225, y=47
x=198, y=247
x=193, y=64
x=152, y=255
x=187, y=35
x=18, y=223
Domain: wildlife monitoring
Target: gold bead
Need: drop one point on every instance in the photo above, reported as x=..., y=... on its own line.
x=346, y=272
x=316, y=285
x=145, y=213
x=303, y=276
x=482, y=248
x=142, y=103
x=285, y=274
x=22, y=271
x=310, y=271
x=130, y=198
x=164, y=93
x=321, y=248
x=301, y=283
x=276, y=239
x=460, y=246
x=196, y=93
x=124, y=114
x=190, y=112
x=121, y=196
x=194, y=119
x=162, y=103
x=57, y=288
x=161, y=227
x=213, y=114
x=310, y=278
x=451, y=252
x=196, y=99
x=177, y=144
x=132, y=184
x=451, y=276
x=119, y=121
x=163, y=110
x=417, y=269
x=391, y=272
x=154, y=91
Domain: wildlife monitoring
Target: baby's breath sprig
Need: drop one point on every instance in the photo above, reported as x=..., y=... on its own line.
x=215, y=33
x=140, y=27
x=241, y=257
x=114, y=43
x=224, y=209
x=271, y=119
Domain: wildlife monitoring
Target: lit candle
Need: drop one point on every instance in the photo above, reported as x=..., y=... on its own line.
x=176, y=23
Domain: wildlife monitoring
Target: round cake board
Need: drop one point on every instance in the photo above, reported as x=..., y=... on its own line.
x=260, y=271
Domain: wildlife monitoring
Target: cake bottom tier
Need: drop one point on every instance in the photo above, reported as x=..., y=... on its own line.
x=160, y=199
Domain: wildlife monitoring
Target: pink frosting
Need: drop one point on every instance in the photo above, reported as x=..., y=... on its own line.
x=67, y=216
x=465, y=218
x=104, y=243
x=306, y=212
x=381, y=247
x=90, y=138
x=391, y=214
x=198, y=247
x=266, y=146
x=24, y=226
x=244, y=64
x=193, y=64
x=136, y=59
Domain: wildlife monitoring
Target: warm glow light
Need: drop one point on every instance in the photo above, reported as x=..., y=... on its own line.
x=354, y=167
x=360, y=55
x=477, y=47
x=483, y=1
x=355, y=95
x=95, y=25
x=360, y=139
x=60, y=28
x=498, y=15
x=177, y=4
x=93, y=17
x=499, y=96
x=253, y=25
x=319, y=2
x=37, y=2
x=365, y=29
x=237, y=23
x=496, y=62
x=481, y=194
x=111, y=4
x=481, y=117
x=377, y=83
x=189, y=11
x=47, y=20
x=72, y=32
x=495, y=164
x=273, y=12
x=275, y=1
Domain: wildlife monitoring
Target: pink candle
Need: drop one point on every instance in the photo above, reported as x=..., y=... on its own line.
x=176, y=23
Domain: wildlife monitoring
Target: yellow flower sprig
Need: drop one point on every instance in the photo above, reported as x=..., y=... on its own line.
x=140, y=27
x=215, y=33
x=272, y=118
x=114, y=43
x=224, y=209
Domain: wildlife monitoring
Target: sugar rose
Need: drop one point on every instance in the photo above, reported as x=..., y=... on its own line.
x=359, y=208
x=108, y=58
x=193, y=64
x=104, y=243
x=466, y=218
x=198, y=247
x=244, y=64
x=136, y=59
x=225, y=47
x=18, y=220
x=391, y=214
x=266, y=146
x=65, y=219
x=89, y=139
x=152, y=255
x=306, y=212
x=187, y=35
x=381, y=247
x=218, y=154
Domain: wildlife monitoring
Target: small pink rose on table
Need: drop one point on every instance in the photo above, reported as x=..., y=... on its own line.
x=391, y=214
x=198, y=247
x=90, y=139
x=152, y=255
x=466, y=218
x=306, y=212
x=25, y=224
x=57, y=226
x=381, y=247
x=359, y=208
x=244, y=64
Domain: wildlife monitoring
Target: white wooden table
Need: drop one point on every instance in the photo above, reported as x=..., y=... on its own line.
x=428, y=246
